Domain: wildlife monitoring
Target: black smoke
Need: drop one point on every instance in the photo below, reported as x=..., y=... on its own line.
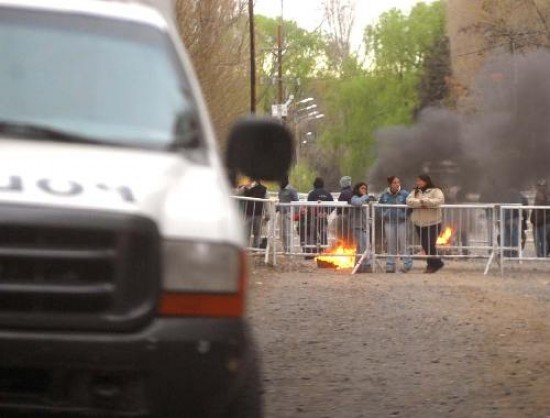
x=502, y=145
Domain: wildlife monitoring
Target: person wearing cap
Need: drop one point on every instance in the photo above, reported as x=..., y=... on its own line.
x=360, y=226
x=343, y=226
x=540, y=218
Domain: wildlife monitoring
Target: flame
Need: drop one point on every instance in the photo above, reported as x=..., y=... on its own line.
x=341, y=257
x=445, y=236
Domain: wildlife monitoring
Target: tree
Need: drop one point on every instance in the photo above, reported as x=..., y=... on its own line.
x=215, y=33
x=303, y=51
x=339, y=15
x=362, y=101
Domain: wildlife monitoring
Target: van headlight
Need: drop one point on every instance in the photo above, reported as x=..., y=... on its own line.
x=198, y=267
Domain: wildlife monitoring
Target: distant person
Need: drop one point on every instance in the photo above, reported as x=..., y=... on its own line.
x=514, y=222
x=426, y=200
x=315, y=225
x=540, y=218
x=287, y=194
x=460, y=218
x=395, y=225
x=360, y=226
x=254, y=210
x=343, y=226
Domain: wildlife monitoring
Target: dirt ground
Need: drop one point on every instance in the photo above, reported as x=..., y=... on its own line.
x=451, y=344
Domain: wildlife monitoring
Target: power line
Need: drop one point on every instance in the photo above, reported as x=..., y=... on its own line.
x=479, y=51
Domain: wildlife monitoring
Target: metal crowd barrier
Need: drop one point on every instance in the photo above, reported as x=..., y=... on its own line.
x=258, y=216
x=465, y=232
x=526, y=234
x=471, y=231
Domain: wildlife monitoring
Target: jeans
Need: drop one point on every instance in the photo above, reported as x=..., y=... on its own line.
x=362, y=241
x=428, y=238
x=396, y=238
x=254, y=227
x=511, y=236
x=285, y=229
x=541, y=234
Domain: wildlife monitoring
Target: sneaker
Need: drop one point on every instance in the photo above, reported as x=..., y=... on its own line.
x=405, y=269
x=390, y=269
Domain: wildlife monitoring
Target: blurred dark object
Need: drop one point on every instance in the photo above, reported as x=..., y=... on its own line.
x=260, y=148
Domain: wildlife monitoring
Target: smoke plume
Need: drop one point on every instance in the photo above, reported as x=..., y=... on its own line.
x=503, y=146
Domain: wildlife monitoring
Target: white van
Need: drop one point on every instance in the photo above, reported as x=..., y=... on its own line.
x=122, y=269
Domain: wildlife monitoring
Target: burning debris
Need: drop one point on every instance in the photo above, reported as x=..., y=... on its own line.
x=340, y=257
x=445, y=236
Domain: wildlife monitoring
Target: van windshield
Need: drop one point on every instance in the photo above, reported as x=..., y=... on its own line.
x=92, y=78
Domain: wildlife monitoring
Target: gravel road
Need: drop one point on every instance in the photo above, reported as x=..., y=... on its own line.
x=451, y=344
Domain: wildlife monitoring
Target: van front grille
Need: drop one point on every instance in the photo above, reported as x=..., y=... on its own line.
x=96, y=270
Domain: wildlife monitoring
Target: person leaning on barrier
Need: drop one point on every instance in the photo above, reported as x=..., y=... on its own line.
x=513, y=219
x=343, y=226
x=287, y=194
x=540, y=218
x=315, y=223
x=254, y=210
x=426, y=200
x=395, y=225
x=360, y=226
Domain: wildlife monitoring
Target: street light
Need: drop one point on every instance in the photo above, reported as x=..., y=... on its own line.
x=299, y=117
x=310, y=107
x=307, y=100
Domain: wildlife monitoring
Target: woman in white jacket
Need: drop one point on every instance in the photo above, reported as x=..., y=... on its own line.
x=425, y=201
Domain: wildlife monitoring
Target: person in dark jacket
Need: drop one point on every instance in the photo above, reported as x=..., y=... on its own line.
x=287, y=194
x=514, y=220
x=343, y=226
x=254, y=210
x=540, y=218
x=395, y=225
x=315, y=222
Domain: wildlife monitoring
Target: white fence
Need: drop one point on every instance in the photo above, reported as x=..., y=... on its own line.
x=308, y=229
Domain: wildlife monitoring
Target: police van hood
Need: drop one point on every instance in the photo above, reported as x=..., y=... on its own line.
x=186, y=199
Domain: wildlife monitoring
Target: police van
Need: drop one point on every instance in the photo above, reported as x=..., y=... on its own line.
x=121, y=293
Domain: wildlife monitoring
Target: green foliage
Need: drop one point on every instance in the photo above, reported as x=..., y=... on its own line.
x=361, y=101
x=399, y=43
x=303, y=51
x=302, y=176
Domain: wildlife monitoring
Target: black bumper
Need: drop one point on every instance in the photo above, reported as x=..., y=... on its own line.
x=190, y=367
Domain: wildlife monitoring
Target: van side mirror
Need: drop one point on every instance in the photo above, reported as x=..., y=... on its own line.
x=260, y=148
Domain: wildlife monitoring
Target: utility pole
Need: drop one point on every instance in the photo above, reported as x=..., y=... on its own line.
x=252, y=57
x=280, y=90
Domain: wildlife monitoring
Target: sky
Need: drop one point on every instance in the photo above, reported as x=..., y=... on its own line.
x=309, y=15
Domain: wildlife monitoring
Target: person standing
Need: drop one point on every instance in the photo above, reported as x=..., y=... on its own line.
x=425, y=201
x=287, y=194
x=359, y=221
x=343, y=226
x=514, y=222
x=395, y=225
x=254, y=210
x=316, y=222
x=540, y=218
